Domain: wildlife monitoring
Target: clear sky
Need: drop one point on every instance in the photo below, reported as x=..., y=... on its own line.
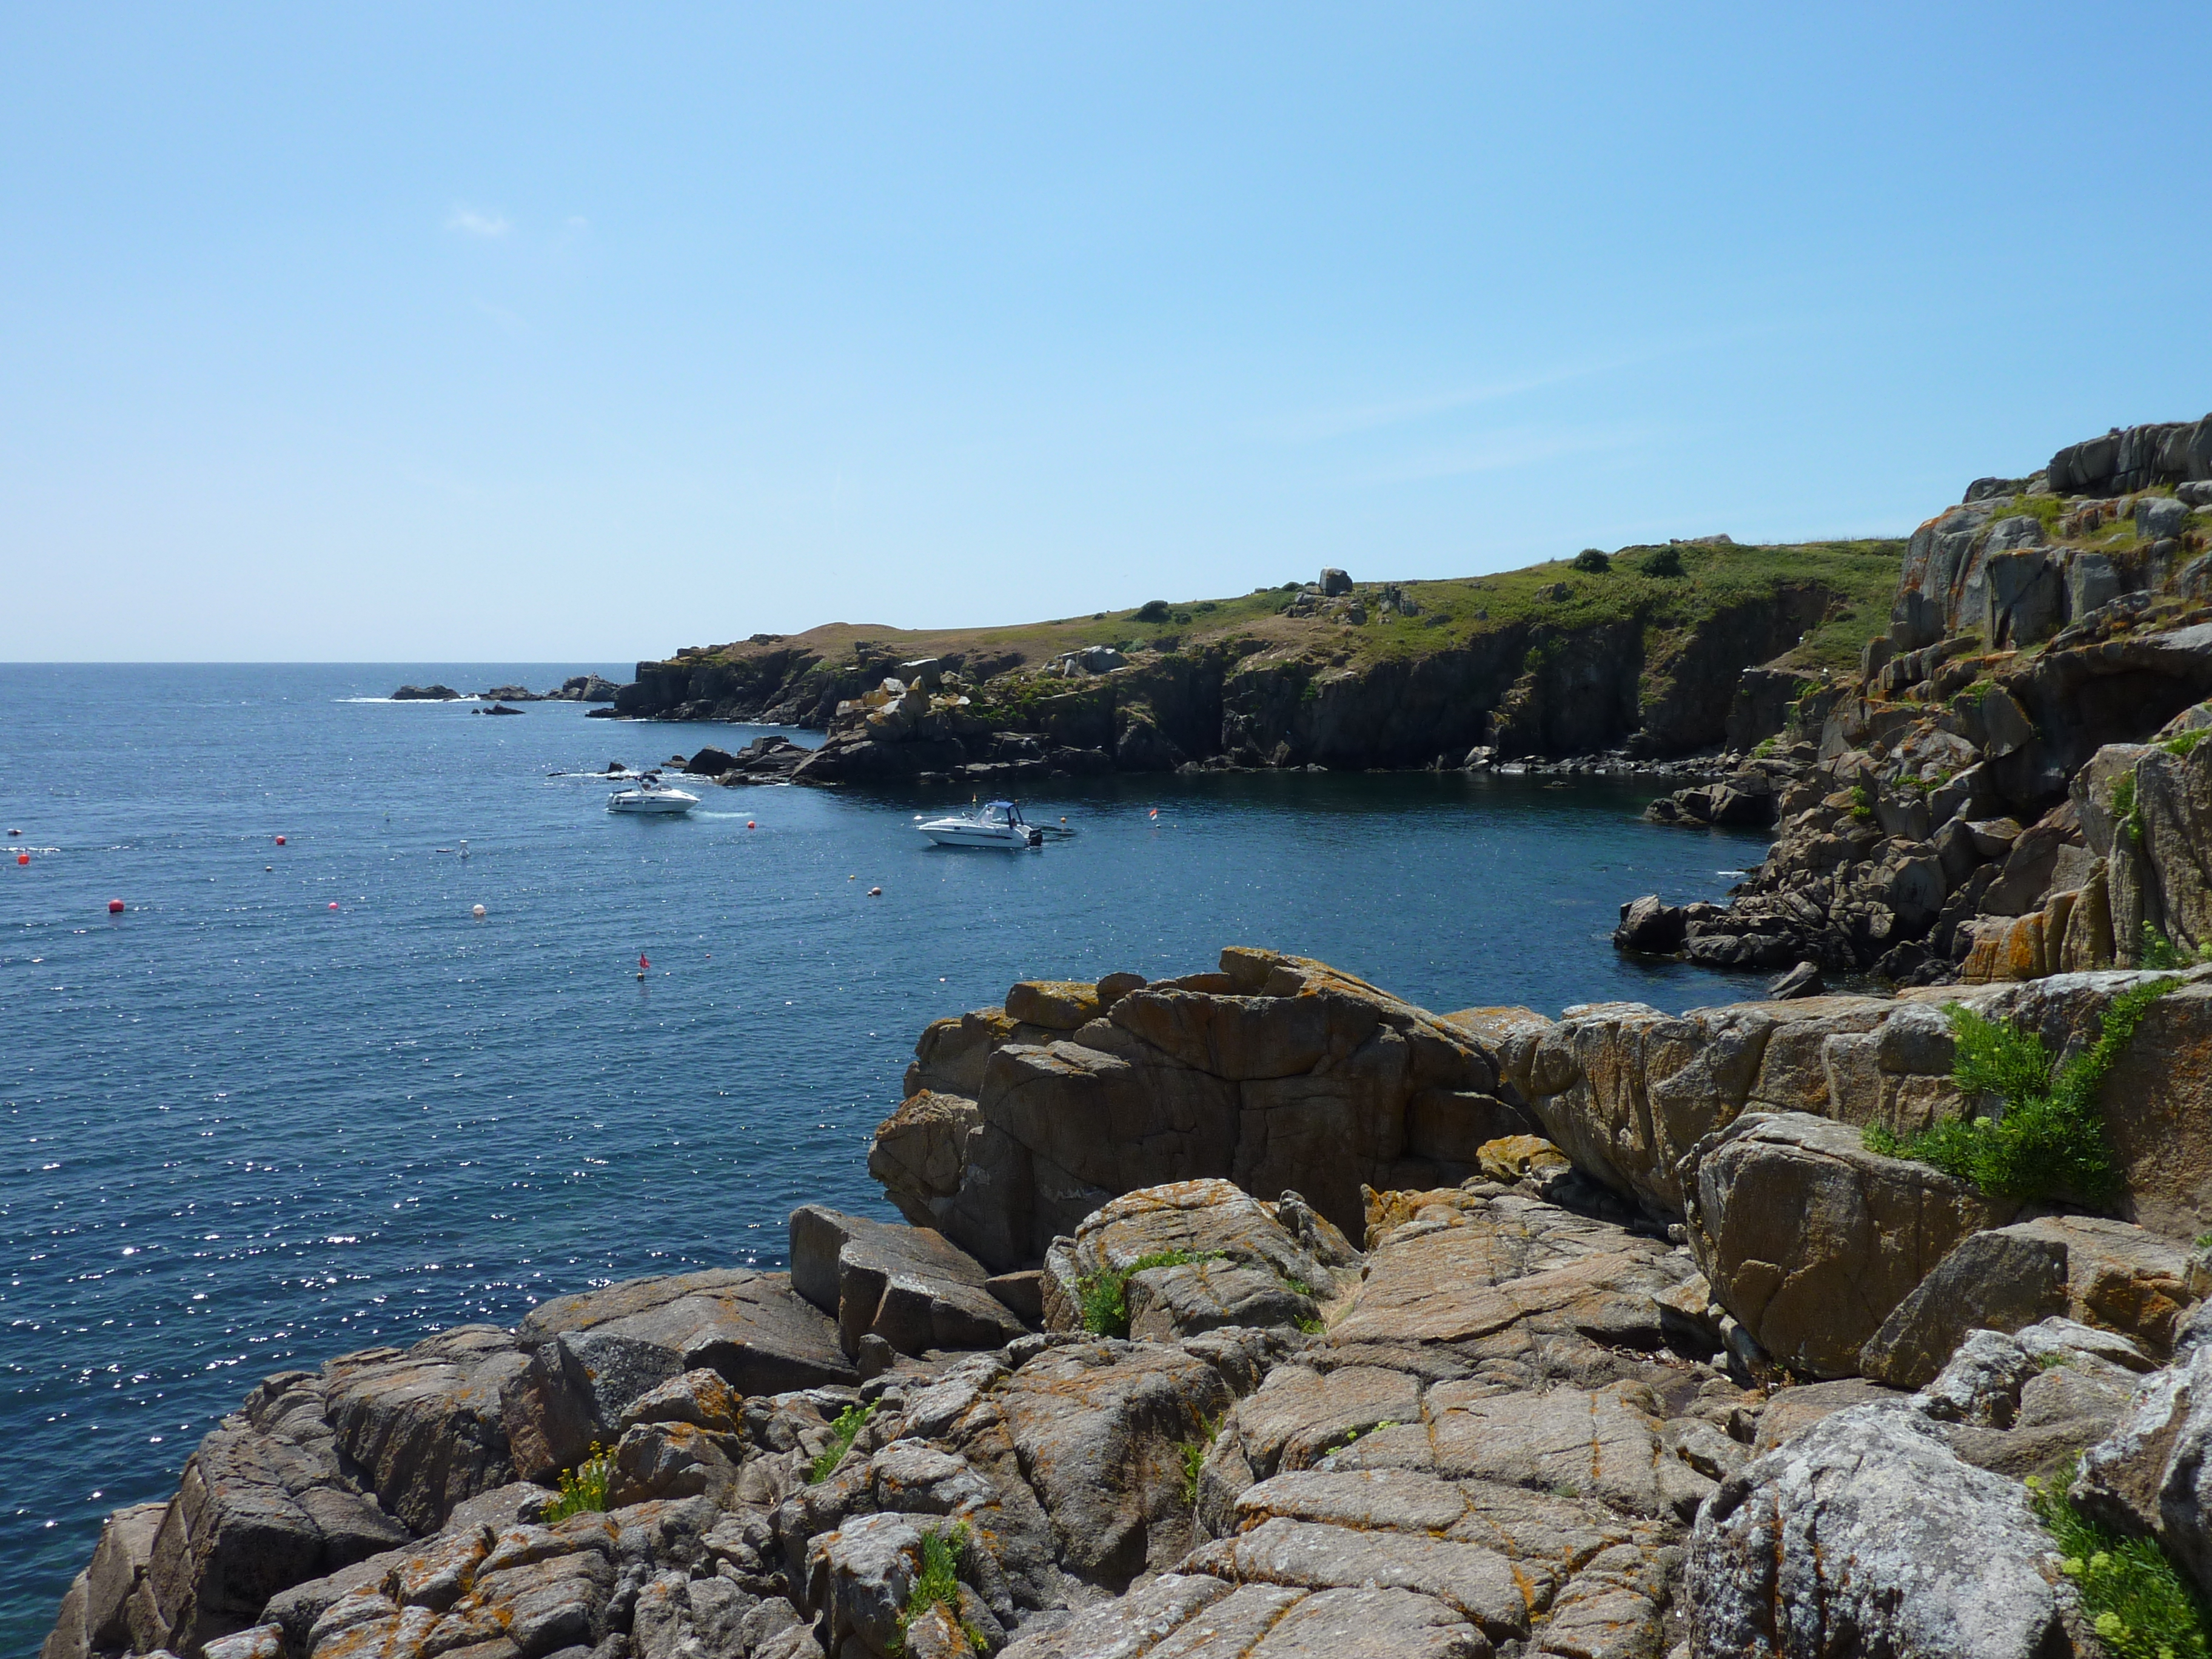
x=545, y=332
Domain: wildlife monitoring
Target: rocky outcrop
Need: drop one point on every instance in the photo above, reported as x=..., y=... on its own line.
x=2041, y=642
x=426, y=693
x=1275, y=1072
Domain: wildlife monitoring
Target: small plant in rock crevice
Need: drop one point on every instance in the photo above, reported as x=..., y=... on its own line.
x=2155, y=951
x=843, y=1433
x=2049, y=1141
x=1194, y=1454
x=584, y=1488
x=1861, y=803
x=2138, y=1602
x=1104, y=1297
x=937, y=1584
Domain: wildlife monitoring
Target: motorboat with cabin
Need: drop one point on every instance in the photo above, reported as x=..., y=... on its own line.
x=995, y=823
x=649, y=796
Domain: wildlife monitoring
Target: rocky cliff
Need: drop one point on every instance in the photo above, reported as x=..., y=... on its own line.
x=2009, y=784
x=1643, y=651
x=1700, y=1374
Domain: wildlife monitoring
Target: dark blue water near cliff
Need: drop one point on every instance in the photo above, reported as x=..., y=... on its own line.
x=249, y=1130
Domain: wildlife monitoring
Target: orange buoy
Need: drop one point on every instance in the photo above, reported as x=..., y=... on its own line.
x=750, y=824
x=22, y=858
x=280, y=841
x=115, y=907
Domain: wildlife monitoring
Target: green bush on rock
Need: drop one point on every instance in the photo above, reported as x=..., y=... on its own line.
x=584, y=1488
x=2050, y=1140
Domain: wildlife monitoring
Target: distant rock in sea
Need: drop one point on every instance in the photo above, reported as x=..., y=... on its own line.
x=426, y=693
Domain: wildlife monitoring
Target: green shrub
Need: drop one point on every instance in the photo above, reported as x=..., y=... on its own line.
x=1152, y=610
x=1594, y=561
x=2049, y=1141
x=938, y=1585
x=843, y=1433
x=2139, y=1604
x=2157, y=951
x=2182, y=744
x=584, y=1488
x=1662, y=561
x=1861, y=803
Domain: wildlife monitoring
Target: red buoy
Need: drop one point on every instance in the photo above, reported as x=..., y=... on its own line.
x=280, y=841
x=115, y=907
x=22, y=858
x=750, y=824
x=334, y=904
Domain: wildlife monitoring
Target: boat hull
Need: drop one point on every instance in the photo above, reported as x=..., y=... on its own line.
x=656, y=807
x=964, y=835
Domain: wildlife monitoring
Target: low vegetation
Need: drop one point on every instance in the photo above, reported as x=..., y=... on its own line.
x=1194, y=1454
x=1105, y=1296
x=2137, y=1599
x=1669, y=589
x=2049, y=1139
x=584, y=1488
x=937, y=1585
x=843, y=1433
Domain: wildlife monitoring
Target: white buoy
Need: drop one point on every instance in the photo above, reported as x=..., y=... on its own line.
x=478, y=911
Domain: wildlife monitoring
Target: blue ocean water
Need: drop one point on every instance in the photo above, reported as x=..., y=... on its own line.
x=251, y=1130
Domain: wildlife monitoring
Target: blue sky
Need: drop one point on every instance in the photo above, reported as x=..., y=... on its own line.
x=545, y=332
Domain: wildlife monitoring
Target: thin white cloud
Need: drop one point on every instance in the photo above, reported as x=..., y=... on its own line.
x=469, y=222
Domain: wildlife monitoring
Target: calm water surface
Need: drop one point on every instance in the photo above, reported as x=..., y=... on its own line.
x=251, y=1130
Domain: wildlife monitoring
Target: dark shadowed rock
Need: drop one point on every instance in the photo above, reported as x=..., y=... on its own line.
x=748, y=1326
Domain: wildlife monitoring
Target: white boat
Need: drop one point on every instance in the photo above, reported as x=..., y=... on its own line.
x=995, y=823
x=650, y=795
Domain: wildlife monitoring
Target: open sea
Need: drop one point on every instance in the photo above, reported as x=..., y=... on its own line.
x=296, y=1100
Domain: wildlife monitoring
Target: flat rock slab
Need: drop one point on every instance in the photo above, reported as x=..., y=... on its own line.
x=750, y=1327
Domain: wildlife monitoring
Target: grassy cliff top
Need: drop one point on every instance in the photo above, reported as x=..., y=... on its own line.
x=1861, y=576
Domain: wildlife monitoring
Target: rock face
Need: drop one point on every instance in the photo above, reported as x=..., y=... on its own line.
x=426, y=693
x=1811, y=1241
x=1275, y=1072
x=1868, y=1536
x=1901, y=848
x=1627, y=1090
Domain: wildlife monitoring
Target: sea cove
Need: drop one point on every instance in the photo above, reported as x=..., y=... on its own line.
x=254, y=1133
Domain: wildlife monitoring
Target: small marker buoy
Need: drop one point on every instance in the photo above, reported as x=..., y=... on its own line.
x=476, y=911
x=22, y=858
x=280, y=841
x=875, y=892
x=750, y=824
x=268, y=866
x=334, y=904
x=115, y=907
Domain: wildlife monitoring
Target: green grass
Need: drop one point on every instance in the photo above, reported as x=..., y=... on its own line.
x=938, y=1585
x=843, y=1433
x=1194, y=1453
x=2049, y=1141
x=1354, y=1434
x=2126, y=809
x=2182, y=744
x=1858, y=575
x=584, y=1488
x=1105, y=1296
x=2138, y=1602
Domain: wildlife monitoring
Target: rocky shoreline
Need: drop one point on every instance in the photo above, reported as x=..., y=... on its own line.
x=2010, y=786
x=1602, y=1336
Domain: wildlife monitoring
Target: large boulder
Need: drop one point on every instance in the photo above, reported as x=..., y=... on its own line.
x=1810, y=1240
x=1868, y=1535
x=2107, y=1274
x=905, y=1285
x=750, y=1327
x=2154, y=1475
x=1275, y=1072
